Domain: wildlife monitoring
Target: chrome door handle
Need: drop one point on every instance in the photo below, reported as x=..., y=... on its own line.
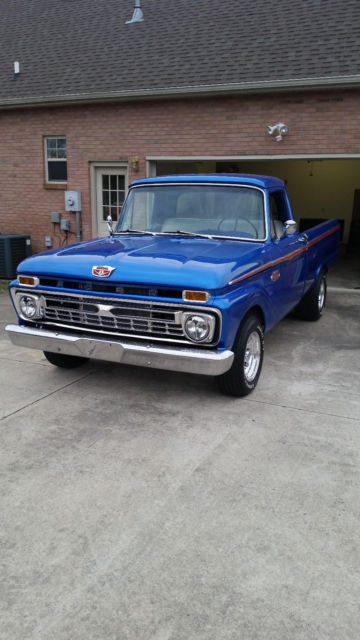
x=303, y=238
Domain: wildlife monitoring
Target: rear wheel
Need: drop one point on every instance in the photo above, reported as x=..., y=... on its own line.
x=64, y=361
x=313, y=303
x=245, y=371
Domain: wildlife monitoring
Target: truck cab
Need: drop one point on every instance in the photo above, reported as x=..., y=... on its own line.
x=193, y=275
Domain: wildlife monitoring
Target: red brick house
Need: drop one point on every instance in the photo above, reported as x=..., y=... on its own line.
x=93, y=103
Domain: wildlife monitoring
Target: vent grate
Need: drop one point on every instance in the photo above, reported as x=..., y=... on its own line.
x=114, y=316
x=120, y=317
x=122, y=289
x=14, y=248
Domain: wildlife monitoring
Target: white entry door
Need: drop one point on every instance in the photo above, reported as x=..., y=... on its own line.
x=111, y=189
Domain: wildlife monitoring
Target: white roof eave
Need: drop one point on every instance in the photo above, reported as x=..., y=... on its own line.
x=168, y=92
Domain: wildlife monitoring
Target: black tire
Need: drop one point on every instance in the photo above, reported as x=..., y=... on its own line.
x=64, y=361
x=312, y=304
x=244, y=373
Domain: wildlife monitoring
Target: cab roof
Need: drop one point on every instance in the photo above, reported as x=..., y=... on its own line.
x=264, y=182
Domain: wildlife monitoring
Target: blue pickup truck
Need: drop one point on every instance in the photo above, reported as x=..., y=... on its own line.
x=194, y=273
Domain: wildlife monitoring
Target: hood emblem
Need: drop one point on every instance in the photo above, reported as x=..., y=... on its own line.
x=102, y=271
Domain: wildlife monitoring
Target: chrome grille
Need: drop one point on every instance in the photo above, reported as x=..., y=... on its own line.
x=119, y=316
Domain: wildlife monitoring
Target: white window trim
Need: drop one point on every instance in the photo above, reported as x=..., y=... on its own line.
x=53, y=137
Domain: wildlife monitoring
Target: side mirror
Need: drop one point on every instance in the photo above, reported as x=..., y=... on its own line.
x=290, y=227
x=109, y=223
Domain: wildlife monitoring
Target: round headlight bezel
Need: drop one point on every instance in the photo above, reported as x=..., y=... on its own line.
x=30, y=307
x=198, y=327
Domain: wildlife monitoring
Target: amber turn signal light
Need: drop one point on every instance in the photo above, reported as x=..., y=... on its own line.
x=28, y=281
x=196, y=296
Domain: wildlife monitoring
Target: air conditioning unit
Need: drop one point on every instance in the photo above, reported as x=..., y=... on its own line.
x=14, y=248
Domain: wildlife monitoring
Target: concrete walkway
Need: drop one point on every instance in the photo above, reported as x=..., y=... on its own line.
x=143, y=505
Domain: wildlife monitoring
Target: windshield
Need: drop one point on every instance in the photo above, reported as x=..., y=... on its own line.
x=210, y=210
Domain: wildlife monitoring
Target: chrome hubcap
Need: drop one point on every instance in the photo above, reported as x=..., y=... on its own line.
x=252, y=356
x=321, y=296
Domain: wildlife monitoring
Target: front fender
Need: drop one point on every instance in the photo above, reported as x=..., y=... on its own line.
x=236, y=304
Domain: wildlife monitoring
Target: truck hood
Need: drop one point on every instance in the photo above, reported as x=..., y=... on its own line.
x=175, y=261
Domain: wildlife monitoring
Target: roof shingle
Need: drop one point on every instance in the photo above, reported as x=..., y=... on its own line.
x=83, y=47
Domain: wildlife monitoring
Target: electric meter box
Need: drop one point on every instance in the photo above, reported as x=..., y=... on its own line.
x=72, y=200
x=55, y=217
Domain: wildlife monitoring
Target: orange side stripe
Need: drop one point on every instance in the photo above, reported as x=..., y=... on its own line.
x=288, y=256
x=324, y=235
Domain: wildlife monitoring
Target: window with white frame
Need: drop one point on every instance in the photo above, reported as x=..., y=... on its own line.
x=55, y=159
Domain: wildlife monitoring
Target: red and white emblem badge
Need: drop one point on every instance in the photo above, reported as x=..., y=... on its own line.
x=102, y=271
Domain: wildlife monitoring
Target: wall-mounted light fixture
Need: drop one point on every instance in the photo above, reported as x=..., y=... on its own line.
x=135, y=163
x=280, y=129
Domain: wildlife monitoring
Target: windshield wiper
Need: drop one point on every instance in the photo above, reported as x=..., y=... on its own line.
x=141, y=231
x=187, y=233
x=192, y=234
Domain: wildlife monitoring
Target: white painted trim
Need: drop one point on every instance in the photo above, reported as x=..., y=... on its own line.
x=151, y=160
x=308, y=156
x=46, y=159
x=150, y=168
x=290, y=84
x=94, y=166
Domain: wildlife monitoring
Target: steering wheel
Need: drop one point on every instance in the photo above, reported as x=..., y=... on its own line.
x=243, y=224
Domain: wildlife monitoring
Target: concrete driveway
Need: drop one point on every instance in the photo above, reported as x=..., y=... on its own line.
x=143, y=505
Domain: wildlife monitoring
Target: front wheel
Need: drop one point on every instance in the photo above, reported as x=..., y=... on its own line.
x=64, y=361
x=245, y=371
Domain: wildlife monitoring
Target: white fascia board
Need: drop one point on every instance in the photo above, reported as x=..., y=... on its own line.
x=162, y=92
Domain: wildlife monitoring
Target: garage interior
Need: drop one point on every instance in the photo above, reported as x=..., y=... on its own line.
x=319, y=189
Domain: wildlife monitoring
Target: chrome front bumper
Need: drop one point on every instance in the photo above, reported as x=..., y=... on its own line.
x=183, y=359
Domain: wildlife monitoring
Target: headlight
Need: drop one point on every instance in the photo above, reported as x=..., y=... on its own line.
x=31, y=307
x=199, y=327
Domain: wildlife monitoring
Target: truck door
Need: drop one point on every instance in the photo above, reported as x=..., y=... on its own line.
x=288, y=256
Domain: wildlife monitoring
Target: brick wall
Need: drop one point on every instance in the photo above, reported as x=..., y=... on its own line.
x=320, y=123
